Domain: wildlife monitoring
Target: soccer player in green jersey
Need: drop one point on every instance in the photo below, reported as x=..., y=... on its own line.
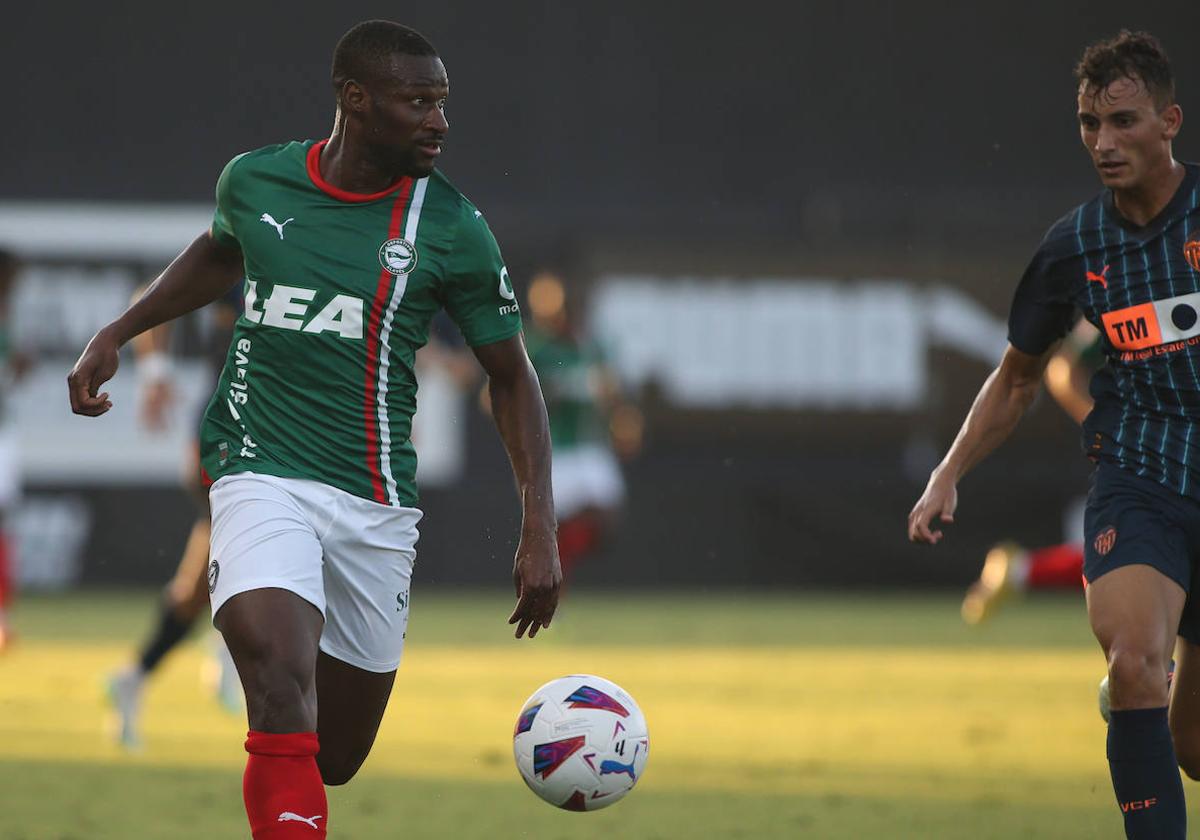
x=348, y=246
x=590, y=422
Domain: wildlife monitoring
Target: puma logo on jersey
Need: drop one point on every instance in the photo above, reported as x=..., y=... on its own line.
x=287, y=307
x=1099, y=278
x=288, y=816
x=269, y=219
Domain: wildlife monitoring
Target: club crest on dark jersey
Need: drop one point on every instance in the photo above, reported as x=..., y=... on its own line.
x=1105, y=541
x=1191, y=252
x=398, y=256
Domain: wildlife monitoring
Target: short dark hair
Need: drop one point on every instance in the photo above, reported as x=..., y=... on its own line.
x=1137, y=56
x=364, y=51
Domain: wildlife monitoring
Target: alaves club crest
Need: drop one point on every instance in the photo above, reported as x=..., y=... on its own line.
x=398, y=256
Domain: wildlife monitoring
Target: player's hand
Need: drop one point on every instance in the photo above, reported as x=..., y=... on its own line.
x=939, y=501
x=537, y=578
x=96, y=365
x=157, y=397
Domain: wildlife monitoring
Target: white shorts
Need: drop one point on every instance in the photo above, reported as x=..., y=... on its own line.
x=585, y=476
x=349, y=557
x=10, y=471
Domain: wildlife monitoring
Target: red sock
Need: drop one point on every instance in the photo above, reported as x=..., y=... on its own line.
x=285, y=798
x=1055, y=566
x=576, y=537
x=6, y=577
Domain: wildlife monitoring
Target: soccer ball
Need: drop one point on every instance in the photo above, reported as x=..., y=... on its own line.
x=581, y=742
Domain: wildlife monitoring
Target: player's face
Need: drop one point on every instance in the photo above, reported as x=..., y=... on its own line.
x=405, y=121
x=1127, y=135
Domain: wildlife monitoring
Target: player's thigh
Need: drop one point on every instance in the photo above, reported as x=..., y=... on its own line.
x=369, y=554
x=266, y=588
x=350, y=707
x=272, y=636
x=263, y=537
x=1135, y=609
x=370, y=550
x=1137, y=562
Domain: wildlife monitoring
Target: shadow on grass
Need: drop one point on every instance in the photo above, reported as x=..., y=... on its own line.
x=69, y=801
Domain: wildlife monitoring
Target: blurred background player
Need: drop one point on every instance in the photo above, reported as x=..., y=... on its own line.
x=185, y=597
x=449, y=376
x=591, y=424
x=13, y=366
x=1010, y=568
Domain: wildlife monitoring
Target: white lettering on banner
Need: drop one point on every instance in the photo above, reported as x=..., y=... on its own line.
x=802, y=343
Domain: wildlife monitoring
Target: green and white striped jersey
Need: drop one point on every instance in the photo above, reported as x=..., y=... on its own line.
x=340, y=288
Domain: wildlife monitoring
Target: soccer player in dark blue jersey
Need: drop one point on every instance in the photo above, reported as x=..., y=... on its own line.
x=1129, y=261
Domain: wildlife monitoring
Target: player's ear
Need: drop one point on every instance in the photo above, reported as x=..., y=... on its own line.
x=1172, y=119
x=353, y=97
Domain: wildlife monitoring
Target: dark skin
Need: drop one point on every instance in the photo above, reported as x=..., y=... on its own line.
x=1134, y=610
x=386, y=128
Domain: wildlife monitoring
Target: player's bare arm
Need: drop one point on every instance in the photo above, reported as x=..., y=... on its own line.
x=156, y=391
x=998, y=407
x=198, y=276
x=520, y=415
x=1067, y=376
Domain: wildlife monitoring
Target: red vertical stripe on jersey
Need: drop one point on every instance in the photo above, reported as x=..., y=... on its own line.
x=370, y=388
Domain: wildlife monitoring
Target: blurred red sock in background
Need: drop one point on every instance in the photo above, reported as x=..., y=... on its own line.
x=1055, y=566
x=576, y=537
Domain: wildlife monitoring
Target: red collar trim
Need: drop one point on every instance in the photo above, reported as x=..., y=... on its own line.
x=313, y=164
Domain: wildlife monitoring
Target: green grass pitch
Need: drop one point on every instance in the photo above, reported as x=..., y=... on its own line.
x=770, y=716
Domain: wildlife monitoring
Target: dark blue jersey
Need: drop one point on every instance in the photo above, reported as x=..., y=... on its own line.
x=1141, y=287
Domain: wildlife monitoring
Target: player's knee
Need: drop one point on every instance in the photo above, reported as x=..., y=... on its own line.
x=1188, y=756
x=337, y=768
x=280, y=704
x=279, y=698
x=1137, y=676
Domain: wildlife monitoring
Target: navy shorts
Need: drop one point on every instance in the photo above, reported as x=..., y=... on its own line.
x=1130, y=520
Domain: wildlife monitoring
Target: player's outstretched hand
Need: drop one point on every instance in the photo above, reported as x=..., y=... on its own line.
x=157, y=397
x=537, y=577
x=96, y=365
x=939, y=501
